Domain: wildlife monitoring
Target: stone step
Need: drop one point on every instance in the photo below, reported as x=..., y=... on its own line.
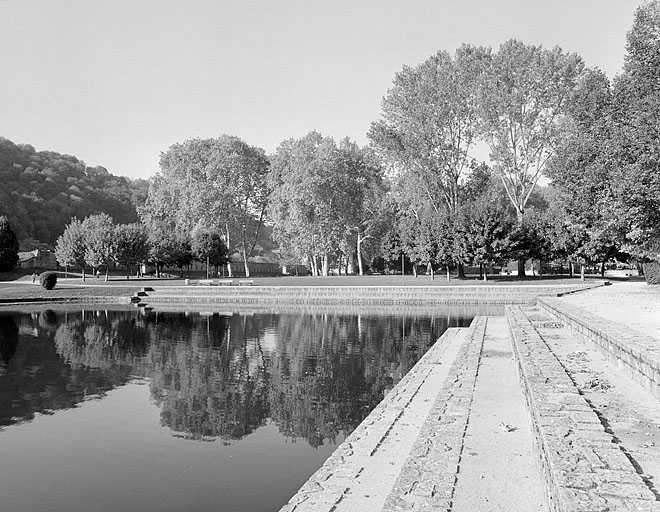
x=583, y=466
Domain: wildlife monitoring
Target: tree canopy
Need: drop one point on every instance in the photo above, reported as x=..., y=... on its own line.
x=42, y=190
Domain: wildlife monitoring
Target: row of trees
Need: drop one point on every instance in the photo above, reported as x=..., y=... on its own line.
x=417, y=188
x=97, y=243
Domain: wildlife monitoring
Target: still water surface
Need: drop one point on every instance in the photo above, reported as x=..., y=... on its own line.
x=144, y=411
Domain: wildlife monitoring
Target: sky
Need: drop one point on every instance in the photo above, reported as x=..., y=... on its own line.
x=115, y=83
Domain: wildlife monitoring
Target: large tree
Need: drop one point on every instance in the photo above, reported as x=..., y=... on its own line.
x=8, y=246
x=429, y=121
x=524, y=99
x=215, y=184
x=524, y=96
x=319, y=199
x=636, y=137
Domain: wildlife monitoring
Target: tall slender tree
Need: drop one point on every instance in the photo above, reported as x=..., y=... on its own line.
x=524, y=98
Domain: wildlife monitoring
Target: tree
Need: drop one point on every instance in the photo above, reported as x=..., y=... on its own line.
x=318, y=201
x=132, y=246
x=635, y=140
x=70, y=246
x=216, y=184
x=8, y=246
x=482, y=232
x=429, y=121
x=524, y=98
x=209, y=247
x=100, y=242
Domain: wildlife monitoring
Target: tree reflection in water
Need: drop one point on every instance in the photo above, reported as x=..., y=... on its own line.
x=315, y=375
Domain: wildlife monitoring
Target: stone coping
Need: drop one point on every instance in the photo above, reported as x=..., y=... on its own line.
x=584, y=468
x=636, y=353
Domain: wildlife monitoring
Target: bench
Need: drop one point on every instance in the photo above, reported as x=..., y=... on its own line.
x=246, y=282
x=225, y=282
x=205, y=282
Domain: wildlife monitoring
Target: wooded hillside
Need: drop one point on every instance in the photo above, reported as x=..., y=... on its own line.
x=40, y=191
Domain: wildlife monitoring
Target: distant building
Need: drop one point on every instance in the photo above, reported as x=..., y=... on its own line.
x=37, y=260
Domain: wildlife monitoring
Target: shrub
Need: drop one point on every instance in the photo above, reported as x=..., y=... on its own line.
x=652, y=272
x=48, y=280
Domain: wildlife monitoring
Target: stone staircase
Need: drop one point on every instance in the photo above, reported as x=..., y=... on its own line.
x=544, y=409
x=495, y=294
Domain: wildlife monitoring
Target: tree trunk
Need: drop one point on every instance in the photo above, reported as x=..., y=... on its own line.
x=521, y=267
x=106, y=272
x=414, y=266
x=359, y=254
x=460, y=271
x=448, y=272
x=582, y=272
x=429, y=268
x=326, y=265
x=83, y=274
x=602, y=269
x=571, y=266
x=540, y=268
x=350, y=267
x=245, y=264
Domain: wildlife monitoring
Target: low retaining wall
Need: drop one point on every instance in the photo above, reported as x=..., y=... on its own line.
x=636, y=353
x=357, y=295
x=584, y=468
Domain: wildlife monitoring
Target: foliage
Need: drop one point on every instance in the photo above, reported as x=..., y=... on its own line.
x=42, y=190
x=71, y=246
x=48, y=280
x=323, y=197
x=8, y=246
x=100, y=244
x=524, y=97
x=217, y=184
x=429, y=121
x=209, y=247
x=652, y=272
x=132, y=246
x=482, y=231
x=607, y=167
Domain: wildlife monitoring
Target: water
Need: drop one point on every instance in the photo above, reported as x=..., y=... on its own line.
x=145, y=411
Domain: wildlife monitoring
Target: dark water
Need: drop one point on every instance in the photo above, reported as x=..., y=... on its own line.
x=145, y=411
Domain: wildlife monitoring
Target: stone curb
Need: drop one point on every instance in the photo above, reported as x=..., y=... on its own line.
x=428, y=477
x=636, y=353
x=583, y=468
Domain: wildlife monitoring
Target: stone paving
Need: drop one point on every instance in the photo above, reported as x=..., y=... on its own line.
x=590, y=428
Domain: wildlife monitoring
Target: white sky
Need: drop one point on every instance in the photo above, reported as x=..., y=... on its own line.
x=117, y=82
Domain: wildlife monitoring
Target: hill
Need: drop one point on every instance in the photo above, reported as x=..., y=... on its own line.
x=40, y=191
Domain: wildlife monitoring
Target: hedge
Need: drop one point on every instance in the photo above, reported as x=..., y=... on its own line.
x=48, y=280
